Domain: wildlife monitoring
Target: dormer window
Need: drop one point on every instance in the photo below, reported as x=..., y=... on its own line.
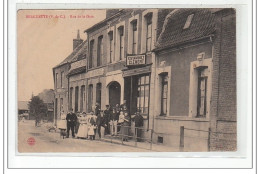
x=188, y=21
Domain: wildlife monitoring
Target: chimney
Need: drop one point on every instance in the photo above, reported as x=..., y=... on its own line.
x=77, y=42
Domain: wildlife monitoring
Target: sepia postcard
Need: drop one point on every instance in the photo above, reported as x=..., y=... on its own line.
x=127, y=80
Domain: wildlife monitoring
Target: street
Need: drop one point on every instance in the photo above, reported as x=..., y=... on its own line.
x=33, y=139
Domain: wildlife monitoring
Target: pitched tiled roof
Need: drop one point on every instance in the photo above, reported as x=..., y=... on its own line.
x=75, y=54
x=77, y=70
x=173, y=34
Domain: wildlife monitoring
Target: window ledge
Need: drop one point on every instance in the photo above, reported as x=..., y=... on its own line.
x=183, y=118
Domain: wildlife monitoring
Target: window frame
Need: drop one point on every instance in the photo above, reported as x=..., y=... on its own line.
x=163, y=76
x=139, y=86
x=199, y=101
x=110, y=39
x=134, y=41
x=91, y=54
x=61, y=79
x=149, y=22
x=100, y=52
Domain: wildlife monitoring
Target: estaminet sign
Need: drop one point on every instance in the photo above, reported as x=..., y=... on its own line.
x=134, y=60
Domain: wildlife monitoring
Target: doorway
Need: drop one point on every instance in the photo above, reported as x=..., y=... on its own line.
x=114, y=93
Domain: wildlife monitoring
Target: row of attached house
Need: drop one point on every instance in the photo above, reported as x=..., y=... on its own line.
x=178, y=66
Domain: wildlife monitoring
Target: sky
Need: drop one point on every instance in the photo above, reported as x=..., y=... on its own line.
x=43, y=42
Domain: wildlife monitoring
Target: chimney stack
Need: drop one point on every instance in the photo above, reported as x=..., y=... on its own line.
x=77, y=42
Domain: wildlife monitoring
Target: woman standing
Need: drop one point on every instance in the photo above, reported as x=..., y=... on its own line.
x=125, y=127
x=83, y=128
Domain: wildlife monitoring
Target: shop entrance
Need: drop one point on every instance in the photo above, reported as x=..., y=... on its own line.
x=137, y=92
x=114, y=93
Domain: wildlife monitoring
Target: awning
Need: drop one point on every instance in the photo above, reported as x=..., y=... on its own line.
x=136, y=71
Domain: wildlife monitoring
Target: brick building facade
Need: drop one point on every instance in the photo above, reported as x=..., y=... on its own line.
x=178, y=66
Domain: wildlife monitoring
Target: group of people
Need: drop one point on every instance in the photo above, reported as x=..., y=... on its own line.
x=113, y=120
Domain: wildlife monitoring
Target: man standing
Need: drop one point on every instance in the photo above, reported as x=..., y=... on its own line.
x=107, y=114
x=139, y=122
x=71, y=121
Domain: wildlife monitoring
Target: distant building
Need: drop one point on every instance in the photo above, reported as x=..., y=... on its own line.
x=23, y=109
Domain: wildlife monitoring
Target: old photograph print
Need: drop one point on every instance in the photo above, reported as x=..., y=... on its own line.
x=127, y=80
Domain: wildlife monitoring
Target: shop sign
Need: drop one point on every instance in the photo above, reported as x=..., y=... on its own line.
x=135, y=60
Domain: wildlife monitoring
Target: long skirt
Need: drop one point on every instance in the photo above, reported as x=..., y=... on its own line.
x=83, y=131
x=125, y=132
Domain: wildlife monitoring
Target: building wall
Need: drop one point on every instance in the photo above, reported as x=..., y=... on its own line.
x=224, y=108
x=78, y=80
x=60, y=92
x=180, y=61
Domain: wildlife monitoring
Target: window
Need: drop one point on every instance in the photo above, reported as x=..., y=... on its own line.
x=149, y=32
x=110, y=36
x=71, y=92
x=61, y=105
x=188, y=21
x=82, y=97
x=143, y=94
x=56, y=80
x=202, y=93
x=98, y=93
x=91, y=54
x=90, y=97
x=135, y=37
x=61, y=79
x=164, y=93
x=76, y=99
x=121, y=42
x=100, y=51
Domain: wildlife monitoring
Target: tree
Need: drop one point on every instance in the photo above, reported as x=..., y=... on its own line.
x=37, y=108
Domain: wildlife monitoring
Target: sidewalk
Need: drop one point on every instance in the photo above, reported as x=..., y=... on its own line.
x=142, y=145
x=116, y=140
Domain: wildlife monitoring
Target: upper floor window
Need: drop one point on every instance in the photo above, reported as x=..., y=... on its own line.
x=135, y=37
x=56, y=80
x=148, y=31
x=121, y=42
x=61, y=79
x=110, y=37
x=100, y=51
x=91, y=54
x=188, y=21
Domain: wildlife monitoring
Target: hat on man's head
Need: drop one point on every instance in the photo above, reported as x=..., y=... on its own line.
x=107, y=105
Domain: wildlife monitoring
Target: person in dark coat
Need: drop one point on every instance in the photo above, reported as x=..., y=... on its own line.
x=107, y=114
x=97, y=109
x=113, y=122
x=139, y=122
x=101, y=122
x=71, y=121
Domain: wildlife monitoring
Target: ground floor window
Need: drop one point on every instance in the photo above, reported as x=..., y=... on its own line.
x=137, y=92
x=98, y=93
x=82, y=97
x=202, y=93
x=90, y=98
x=143, y=94
x=164, y=93
x=70, y=98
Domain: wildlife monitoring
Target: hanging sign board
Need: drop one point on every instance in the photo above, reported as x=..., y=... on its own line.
x=135, y=60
